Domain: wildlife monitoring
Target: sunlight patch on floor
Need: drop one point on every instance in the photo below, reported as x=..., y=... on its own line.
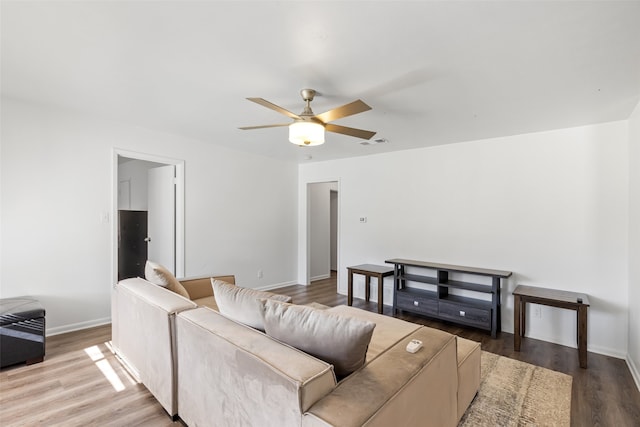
x=110, y=374
x=101, y=362
x=94, y=353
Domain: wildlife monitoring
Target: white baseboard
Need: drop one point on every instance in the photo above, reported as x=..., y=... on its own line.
x=276, y=286
x=320, y=277
x=635, y=373
x=77, y=326
x=605, y=351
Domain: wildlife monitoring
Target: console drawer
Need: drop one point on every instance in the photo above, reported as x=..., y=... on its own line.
x=416, y=303
x=465, y=314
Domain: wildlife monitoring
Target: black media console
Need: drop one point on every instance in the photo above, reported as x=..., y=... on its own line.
x=436, y=301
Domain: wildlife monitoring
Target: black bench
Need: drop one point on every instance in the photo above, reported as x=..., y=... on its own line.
x=22, y=325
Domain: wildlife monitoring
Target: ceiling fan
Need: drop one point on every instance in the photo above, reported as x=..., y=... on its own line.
x=308, y=128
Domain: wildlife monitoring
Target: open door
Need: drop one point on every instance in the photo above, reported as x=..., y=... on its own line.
x=161, y=192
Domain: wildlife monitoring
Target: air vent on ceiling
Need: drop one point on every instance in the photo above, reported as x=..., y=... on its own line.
x=375, y=141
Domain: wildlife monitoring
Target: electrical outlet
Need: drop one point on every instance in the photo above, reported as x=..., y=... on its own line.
x=260, y=275
x=537, y=312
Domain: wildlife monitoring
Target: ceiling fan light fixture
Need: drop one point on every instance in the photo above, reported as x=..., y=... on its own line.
x=306, y=133
x=308, y=128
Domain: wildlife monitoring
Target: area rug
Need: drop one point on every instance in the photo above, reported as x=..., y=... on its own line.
x=514, y=393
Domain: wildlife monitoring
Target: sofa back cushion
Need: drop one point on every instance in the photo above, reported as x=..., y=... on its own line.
x=334, y=338
x=200, y=287
x=242, y=304
x=159, y=275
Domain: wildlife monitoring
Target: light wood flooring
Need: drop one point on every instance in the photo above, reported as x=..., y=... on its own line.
x=81, y=383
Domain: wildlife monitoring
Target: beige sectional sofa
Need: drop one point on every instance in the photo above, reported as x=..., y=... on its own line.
x=211, y=370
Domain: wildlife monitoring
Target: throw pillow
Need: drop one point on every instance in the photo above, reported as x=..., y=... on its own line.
x=242, y=304
x=158, y=275
x=337, y=339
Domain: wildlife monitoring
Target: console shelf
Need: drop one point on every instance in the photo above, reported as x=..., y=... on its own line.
x=439, y=303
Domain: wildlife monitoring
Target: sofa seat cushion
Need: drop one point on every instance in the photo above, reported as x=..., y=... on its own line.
x=387, y=333
x=209, y=301
x=397, y=385
x=242, y=304
x=335, y=338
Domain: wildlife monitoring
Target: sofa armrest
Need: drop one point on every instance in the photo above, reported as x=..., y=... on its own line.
x=200, y=287
x=233, y=375
x=143, y=327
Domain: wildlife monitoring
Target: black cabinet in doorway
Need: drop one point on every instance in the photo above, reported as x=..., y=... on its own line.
x=132, y=243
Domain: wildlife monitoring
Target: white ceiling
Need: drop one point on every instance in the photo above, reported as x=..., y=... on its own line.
x=434, y=72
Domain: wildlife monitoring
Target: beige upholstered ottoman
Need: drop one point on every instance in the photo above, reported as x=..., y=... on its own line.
x=468, y=373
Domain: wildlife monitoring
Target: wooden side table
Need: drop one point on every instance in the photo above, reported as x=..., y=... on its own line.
x=554, y=298
x=368, y=271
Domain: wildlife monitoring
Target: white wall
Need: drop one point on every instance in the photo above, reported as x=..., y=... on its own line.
x=634, y=244
x=57, y=186
x=552, y=207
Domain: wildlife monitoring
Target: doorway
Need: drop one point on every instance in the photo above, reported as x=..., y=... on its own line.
x=323, y=203
x=148, y=214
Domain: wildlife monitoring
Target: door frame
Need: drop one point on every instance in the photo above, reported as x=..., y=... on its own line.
x=304, y=231
x=179, y=201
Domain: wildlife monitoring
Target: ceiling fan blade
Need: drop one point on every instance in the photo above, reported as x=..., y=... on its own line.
x=274, y=107
x=350, y=109
x=358, y=133
x=264, y=126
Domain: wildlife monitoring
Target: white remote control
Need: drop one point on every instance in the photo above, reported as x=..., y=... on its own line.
x=414, y=345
